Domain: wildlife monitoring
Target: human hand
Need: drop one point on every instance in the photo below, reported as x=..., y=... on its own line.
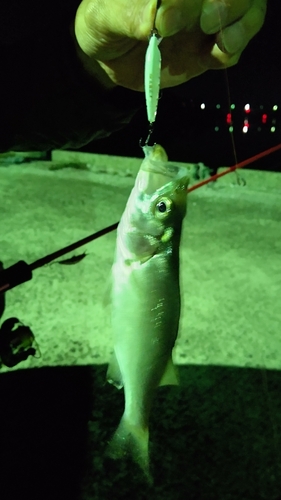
x=233, y=23
x=197, y=35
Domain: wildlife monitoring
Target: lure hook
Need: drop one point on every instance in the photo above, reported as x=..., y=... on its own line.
x=150, y=132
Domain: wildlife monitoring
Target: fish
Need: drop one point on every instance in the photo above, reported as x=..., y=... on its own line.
x=145, y=298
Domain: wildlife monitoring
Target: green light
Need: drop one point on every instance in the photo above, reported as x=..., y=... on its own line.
x=217, y=129
x=218, y=106
x=230, y=129
x=232, y=106
x=275, y=107
x=272, y=129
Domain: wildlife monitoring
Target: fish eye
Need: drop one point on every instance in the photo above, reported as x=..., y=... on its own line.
x=162, y=207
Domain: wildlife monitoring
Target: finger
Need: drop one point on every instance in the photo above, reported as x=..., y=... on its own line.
x=174, y=15
x=232, y=40
x=222, y=59
x=108, y=27
x=217, y=14
x=214, y=16
x=217, y=59
x=235, y=38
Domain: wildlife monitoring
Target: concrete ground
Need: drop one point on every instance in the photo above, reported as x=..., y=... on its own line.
x=217, y=436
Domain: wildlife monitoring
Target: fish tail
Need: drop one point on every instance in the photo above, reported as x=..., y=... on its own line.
x=131, y=441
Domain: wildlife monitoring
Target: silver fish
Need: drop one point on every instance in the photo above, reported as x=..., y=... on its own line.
x=146, y=297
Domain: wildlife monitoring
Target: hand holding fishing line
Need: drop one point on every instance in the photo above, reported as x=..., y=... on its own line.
x=234, y=24
x=197, y=35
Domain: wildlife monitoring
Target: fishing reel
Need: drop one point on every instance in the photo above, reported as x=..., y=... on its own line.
x=17, y=342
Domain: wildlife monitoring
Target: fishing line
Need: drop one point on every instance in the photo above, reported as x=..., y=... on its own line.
x=229, y=108
x=239, y=179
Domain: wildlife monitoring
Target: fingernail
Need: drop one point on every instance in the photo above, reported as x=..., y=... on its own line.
x=213, y=16
x=171, y=22
x=233, y=38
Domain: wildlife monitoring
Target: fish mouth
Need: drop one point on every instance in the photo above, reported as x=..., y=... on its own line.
x=155, y=152
x=156, y=171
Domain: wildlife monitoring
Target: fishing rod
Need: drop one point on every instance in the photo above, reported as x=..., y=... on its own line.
x=21, y=271
x=17, y=341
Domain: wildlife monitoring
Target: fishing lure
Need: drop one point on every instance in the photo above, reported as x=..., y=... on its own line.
x=152, y=72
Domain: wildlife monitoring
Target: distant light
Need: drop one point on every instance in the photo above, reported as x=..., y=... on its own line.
x=259, y=129
x=217, y=129
x=218, y=106
x=273, y=122
x=230, y=129
x=246, y=123
x=272, y=129
x=229, y=118
x=264, y=118
x=232, y=106
x=247, y=108
x=245, y=129
x=275, y=107
x=261, y=106
x=203, y=105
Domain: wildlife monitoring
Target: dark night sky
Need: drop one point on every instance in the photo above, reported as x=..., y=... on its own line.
x=190, y=136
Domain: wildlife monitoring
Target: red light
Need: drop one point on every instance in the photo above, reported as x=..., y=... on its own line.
x=229, y=118
x=264, y=118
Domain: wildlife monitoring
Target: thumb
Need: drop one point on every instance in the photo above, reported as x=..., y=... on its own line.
x=108, y=29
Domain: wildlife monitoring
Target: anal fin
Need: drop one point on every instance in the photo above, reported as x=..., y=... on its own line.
x=170, y=375
x=113, y=375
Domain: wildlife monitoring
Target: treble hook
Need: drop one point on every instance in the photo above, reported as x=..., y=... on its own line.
x=150, y=132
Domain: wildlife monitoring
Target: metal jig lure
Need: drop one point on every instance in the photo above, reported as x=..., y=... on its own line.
x=152, y=72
